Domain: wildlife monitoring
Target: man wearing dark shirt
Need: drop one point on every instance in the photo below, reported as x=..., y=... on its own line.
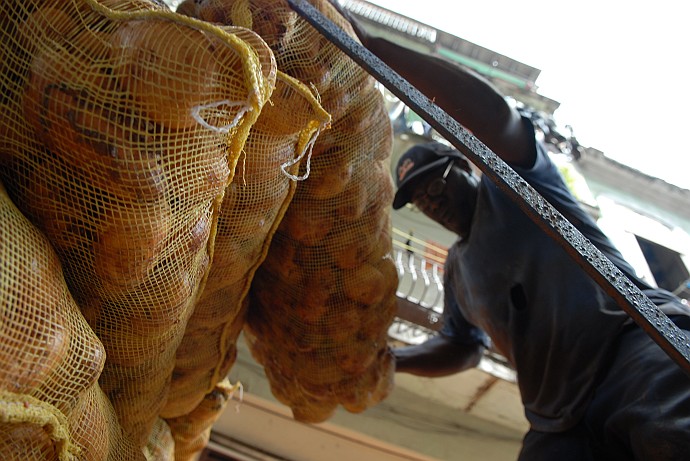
x=593, y=384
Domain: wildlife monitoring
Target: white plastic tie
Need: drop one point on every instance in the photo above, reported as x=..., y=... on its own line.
x=308, y=152
x=244, y=108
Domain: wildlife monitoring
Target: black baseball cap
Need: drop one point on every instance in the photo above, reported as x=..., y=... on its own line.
x=415, y=162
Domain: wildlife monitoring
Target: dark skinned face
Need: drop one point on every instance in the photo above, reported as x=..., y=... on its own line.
x=450, y=203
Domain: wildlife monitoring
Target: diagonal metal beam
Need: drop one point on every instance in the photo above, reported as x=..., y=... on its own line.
x=628, y=296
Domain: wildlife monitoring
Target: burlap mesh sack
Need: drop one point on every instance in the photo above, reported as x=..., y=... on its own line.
x=33, y=430
x=122, y=126
x=322, y=301
x=254, y=204
x=192, y=431
x=161, y=445
x=94, y=428
x=51, y=405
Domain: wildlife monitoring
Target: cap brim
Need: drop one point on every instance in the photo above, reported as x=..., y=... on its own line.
x=404, y=193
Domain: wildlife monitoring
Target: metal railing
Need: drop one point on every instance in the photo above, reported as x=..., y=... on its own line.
x=421, y=275
x=420, y=298
x=420, y=288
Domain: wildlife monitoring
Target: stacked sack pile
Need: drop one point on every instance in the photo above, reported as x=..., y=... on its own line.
x=321, y=303
x=172, y=179
x=254, y=204
x=51, y=405
x=122, y=125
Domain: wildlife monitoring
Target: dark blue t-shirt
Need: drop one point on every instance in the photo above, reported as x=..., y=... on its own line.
x=511, y=281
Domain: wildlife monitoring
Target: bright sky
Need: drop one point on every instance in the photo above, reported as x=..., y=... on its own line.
x=618, y=68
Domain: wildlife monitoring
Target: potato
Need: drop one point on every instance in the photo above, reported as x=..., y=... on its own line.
x=45, y=24
x=192, y=235
x=76, y=111
x=354, y=201
x=24, y=441
x=192, y=431
x=244, y=223
x=374, y=385
x=307, y=411
x=271, y=19
x=203, y=416
x=313, y=305
x=128, y=243
x=308, y=225
x=220, y=301
x=356, y=245
x=33, y=345
x=172, y=83
x=265, y=155
x=146, y=315
x=32, y=325
x=331, y=174
x=89, y=425
x=137, y=394
x=161, y=445
x=283, y=261
x=187, y=8
x=196, y=162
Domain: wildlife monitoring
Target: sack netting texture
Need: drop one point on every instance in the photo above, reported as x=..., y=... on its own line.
x=173, y=179
x=321, y=303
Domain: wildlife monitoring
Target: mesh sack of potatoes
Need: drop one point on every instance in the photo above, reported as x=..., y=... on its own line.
x=161, y=445
x=192, y=431
x=123, y=122
x=321, y=302
x=254, y=203
x=51, y=405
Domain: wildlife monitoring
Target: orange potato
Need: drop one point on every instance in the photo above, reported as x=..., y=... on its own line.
x=172, y=82
x=353, y=202
x=34, y=345
x=353, y=246
x=271, y=19
x=365, y=284
x=76, y=110
x=33, y=326
x=128, y=244
x=196, y=161
x=47, y=23
x=282, y=261
x=307, y=223
x=374, y=385
x=187, y=8
x=23, y=441
x=89, y=425
x=160, y=445
x=330, y=175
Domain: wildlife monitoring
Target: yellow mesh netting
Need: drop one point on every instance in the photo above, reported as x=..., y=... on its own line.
x=30, y=428
x=182, y=170
x=122, y=123
x=192, y=431
x=161, y=445
x=51, y=405
x=322, y=301
x=254, y=203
